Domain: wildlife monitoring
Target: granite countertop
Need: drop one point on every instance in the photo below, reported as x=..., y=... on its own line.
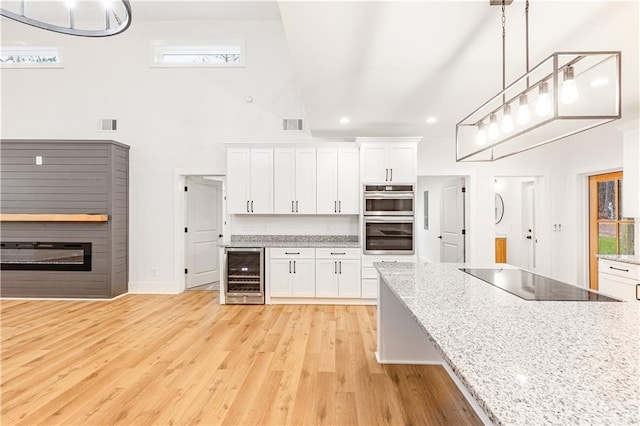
x=294, y=241
x=527, y=362
x=626, y=258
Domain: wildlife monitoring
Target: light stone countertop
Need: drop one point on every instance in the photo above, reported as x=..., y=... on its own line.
x=294, y=241
x=626, y=258
x=527, y=362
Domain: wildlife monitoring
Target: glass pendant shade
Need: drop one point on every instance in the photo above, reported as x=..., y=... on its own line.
x=524, y=116
x=494, y=132
x=562, y=77
x=543, y=104
x=569, y=93
x=507, y=119
x=481, y=135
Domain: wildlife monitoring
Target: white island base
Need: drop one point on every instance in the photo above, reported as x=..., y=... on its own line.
x=402, y=341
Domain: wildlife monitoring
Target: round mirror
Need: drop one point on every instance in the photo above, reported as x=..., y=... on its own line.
x=499, y=208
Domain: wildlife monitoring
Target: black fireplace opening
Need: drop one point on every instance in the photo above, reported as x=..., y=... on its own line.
x=45, y=256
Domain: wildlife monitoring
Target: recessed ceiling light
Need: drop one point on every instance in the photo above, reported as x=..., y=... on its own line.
x=344, y=120
x=431, y=120
x=599, y=82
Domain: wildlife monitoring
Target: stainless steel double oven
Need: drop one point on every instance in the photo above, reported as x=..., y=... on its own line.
x=389, y=219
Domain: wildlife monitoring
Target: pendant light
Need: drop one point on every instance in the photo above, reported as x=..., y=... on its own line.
x=560, y=110
x=99, y=19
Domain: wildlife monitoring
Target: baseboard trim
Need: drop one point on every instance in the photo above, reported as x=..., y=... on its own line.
x=153, y=287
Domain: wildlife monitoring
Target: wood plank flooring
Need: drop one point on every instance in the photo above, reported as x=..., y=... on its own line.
x=184, y=359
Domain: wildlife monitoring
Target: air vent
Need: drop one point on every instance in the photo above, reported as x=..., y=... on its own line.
x=292, y=124
x=107, y=125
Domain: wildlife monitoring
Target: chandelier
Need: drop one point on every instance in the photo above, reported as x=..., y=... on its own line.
x=565, y=94
x=88, y=18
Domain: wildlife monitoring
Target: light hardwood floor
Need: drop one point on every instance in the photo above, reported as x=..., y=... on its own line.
x=184, y=359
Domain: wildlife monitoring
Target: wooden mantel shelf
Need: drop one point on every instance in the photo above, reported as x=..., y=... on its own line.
x=28, y=217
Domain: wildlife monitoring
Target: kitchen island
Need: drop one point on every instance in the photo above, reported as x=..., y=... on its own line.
x=517, y=361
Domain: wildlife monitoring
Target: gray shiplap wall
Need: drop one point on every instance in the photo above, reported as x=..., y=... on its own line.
x=77, y=176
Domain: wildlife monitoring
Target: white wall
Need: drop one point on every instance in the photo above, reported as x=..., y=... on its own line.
x=173, y=118
x=561, y=166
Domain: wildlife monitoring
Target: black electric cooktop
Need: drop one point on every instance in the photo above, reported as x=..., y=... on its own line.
x=530, y=286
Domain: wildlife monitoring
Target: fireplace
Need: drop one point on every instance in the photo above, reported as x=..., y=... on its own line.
x=40, y=256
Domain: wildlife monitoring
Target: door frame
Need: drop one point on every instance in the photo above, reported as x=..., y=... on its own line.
x=179, y=220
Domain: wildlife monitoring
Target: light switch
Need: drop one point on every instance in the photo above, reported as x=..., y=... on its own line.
x=38, y=160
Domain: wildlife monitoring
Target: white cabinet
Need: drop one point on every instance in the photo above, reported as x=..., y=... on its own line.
x=386, y=160
x=620, y=280
x=337, y=181
x=338, y=273
x=370, y=274
x=292, y=272
x=250, y=180
x=294, y=180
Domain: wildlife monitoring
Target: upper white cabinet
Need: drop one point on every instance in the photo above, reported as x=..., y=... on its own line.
x=385, y=160
x=250, y=180
x=294, y=180
x=631, y=170
x=338, y=187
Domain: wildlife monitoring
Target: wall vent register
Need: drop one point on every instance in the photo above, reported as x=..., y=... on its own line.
x=45, y=256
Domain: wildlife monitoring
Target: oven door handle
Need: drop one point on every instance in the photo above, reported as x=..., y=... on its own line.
x=387, y=195
x=388, y=219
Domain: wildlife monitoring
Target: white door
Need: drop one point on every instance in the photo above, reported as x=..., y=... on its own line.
x=529, y=222
x=348, y=182
x=452, y=222
x=349, y=278
x=401, y=163
x=305, y=181
x=261, y=181
x=284, y=180
x=374, y=163
x=327, y=181
x=204, y=227
x=304, y=278
x=326, y=278
x=281, y=277
x=238, y=180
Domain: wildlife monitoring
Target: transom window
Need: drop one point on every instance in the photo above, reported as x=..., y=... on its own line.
x=30, y=57
x=198, y=55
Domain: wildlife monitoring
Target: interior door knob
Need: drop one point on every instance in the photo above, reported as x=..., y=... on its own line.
x=440, y=237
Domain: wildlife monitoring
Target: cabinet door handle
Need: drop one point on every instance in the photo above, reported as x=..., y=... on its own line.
x=251, y=206
x=291, y=252
x=338, y=253
x=637, y=292
x=335, y=267
x=340, y=267
x=296, y=206
x=339, y=206
x=386, y=175
x=619, y=269
x=294, y=266
x=391, y=175
x=247, y=206
x=335, y=207
x=291, y=206
x=289, y=266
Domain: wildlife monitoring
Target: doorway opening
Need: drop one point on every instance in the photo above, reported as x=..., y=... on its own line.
x=203, y=229
x=441, y=212
x=516, y=221
x=609, y=231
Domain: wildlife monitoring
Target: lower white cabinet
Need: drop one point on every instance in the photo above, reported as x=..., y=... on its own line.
x=619, y=280
x=338, y=273
x=292, y=272
x=370, y=274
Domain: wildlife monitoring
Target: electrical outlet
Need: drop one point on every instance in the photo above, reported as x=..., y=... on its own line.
x=154, y=272
x=38, y=160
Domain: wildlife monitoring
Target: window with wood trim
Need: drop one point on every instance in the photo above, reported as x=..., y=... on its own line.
x=609, y=231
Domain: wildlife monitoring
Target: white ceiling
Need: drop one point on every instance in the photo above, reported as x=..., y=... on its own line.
x=388, y=65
